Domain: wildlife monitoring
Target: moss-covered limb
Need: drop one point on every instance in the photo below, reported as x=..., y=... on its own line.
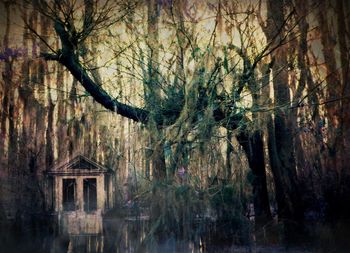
x=100, y=95
x=163, y=116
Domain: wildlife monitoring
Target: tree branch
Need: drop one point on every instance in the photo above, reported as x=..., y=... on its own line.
x=99, y=94
x=68, y=58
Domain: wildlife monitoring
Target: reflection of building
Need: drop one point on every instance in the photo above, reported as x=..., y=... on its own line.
x=80, y=191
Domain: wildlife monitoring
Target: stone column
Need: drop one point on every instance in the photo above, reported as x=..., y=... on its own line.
x=80, y=194
x=58, y=193
x=100, y=192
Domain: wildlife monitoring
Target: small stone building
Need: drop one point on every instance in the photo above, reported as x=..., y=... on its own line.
x=79, y=192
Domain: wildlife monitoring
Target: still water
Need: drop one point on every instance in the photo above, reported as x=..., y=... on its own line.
x=90, y=233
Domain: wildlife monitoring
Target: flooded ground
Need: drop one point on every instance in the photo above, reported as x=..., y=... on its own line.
x=115, y=234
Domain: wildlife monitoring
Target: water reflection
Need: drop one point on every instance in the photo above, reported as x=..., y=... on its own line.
x=80, y=223
x=85, y=243
x=121, y=235
x=83, y=230
x=92, y=233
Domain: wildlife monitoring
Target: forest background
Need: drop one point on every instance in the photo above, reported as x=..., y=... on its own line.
x=197, y=105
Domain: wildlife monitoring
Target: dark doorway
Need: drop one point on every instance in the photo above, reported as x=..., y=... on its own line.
x=90, y=194
x=69, y=186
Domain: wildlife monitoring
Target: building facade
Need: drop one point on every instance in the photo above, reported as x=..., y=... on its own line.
x=80, y=191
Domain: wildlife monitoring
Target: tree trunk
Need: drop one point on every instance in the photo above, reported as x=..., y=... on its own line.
x=229, y=150
x=254, y=148
x=6, y=89
x=337, y=114
x=333, y=90
x=344, y=145
x=153, y=93
x=281, y=139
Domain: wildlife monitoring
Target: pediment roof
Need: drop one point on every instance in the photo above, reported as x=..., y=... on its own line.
x=79, y=164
